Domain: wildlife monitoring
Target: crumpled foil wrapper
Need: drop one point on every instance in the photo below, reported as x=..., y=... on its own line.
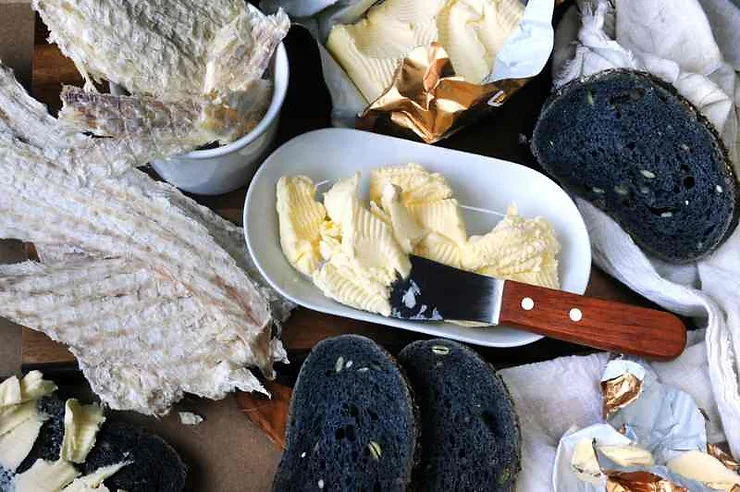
x=723, y=457
x=639, y=410
x=621, y=385
x=426, y=99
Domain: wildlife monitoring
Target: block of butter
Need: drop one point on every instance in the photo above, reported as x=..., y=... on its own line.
x=358, y=251
x=471, y=31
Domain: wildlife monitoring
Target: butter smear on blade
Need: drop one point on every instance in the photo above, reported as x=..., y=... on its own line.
x=471, y=31
x=356, y=252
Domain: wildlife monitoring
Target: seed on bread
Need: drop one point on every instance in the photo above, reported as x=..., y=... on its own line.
x=440, y=349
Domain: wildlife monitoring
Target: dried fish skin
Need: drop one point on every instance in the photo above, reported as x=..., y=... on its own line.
x=86, y=311
x=152, y=292
x=28, y=129
x=160, y=126
x=93, y=318
x=165, y=126
x=154, y=47
x=236, y=60
x=28, y=120
x=164, y=48
x=109, y=115
x=195, y=69
x=227, y=235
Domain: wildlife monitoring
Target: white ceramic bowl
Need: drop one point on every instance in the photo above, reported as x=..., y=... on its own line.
x=488, y=185
x=228, y=167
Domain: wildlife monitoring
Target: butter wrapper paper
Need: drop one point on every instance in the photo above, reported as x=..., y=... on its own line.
x=426, y=97
x=654, y=440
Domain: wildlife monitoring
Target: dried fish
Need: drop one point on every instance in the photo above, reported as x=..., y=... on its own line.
x=150, y=47
x=194, y=69
x=153, y=293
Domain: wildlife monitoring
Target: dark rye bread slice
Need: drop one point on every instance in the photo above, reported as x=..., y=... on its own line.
x=632, y=146
x=352, y=423
x=469, y=431
x=156, y=465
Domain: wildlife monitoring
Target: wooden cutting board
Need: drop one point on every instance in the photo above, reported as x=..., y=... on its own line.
x=307, y=107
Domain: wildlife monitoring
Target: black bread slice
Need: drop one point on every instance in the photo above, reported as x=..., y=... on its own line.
x=631, y=145
x=351, y=424
x=156, y=465
x=469, y=431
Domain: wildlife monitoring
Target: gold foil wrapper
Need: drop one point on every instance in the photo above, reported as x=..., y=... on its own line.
x=620, y=392
x=723, y=457
x=639, y=481
x=427, y=98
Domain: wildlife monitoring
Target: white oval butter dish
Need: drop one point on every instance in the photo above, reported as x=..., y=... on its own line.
x=483, y=185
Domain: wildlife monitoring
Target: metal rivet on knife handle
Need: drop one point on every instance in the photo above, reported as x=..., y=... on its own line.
x=527, y=303
x=576, y=315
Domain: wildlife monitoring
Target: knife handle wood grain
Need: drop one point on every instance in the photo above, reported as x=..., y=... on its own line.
x=597, y=323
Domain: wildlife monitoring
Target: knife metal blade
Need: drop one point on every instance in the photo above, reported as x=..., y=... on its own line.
x=435, y=292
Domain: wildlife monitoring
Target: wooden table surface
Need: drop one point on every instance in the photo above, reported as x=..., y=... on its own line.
x=307, y=107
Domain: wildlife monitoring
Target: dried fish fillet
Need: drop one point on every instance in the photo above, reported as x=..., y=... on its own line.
x=106, y=115
x=195, y=70
x=150, y=47
x=152, y=292
x=28, y=129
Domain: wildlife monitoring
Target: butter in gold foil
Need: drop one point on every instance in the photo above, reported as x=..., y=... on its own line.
x=424, y=66
x=661, y=445
x=427, y=97
x=621, y=384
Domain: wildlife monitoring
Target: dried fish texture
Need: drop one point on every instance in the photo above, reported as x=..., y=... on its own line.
x=151, y=291
x=194, y=68
x=106, y=114
x=28, y=129
x=154, y=47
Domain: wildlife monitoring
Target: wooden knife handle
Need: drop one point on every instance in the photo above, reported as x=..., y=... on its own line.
x=597, y=323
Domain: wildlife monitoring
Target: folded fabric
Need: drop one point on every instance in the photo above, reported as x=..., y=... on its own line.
x=699, y=55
